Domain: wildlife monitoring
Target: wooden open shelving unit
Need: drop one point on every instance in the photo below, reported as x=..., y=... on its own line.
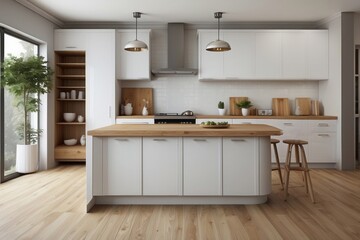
x=70, y=75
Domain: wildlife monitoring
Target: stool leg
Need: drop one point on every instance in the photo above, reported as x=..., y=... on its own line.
x=307, y=174
x=278, y=165
x=287, y=170
x=297, y=157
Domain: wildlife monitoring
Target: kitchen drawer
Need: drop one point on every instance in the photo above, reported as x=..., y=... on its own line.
x=70, y=152
x=135, y=121
x=322, y=126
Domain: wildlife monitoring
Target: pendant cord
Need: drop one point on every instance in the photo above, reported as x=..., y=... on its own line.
x=136, y=29
x=218, y=28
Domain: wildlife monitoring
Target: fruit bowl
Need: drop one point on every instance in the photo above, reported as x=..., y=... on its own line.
x=69, y=117
x=70, y=142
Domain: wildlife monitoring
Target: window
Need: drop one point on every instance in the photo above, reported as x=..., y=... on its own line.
x=19, y=46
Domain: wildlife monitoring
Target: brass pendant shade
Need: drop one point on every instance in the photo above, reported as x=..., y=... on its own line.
x=136, y=45
x=218, y=45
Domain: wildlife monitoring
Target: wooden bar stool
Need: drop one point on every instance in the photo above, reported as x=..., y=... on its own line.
x=278, y=168
x=302, y=165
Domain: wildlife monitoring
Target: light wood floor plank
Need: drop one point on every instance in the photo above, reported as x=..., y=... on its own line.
x=51, y=205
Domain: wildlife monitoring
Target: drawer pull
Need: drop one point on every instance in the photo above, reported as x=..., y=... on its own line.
x=288, y=124
x=199, y=140
x=122, y=139
x=238, y=140
x=71, y=47
x=246, y=123
x=159, y=139
x=323, y=135
x=323, y=125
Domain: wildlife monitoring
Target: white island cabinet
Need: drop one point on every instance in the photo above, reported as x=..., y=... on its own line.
x=181, y=164
x=122, y=163
x=162, y=166
x=202, y=166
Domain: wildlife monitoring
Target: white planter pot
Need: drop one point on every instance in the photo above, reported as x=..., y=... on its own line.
x=222, y=111
x=26, y=158
x=245, y=111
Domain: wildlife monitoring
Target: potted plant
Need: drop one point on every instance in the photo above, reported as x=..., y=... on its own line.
x=244, y=105
x=25, y=78
x=221, y=108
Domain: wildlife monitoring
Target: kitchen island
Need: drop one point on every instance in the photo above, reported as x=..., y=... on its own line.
x=180, y=164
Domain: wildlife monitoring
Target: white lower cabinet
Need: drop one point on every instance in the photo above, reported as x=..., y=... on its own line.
x=240, y=166
x=202, y=166
x=122, y=166
x=162, y=166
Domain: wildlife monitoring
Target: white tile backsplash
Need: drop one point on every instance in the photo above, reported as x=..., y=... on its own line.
x=180, y=93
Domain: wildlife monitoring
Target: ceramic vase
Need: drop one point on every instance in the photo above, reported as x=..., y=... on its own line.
x=245, y=111
x=145, y=112
x=83, y=140
x=222, y=111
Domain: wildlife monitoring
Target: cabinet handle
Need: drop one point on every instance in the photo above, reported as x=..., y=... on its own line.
x=70, y=47
x=323, y=135
x=199, y=140
x=323, y=125
x=159, y=139
x=122, y=139
x=246, y=123
x=238, y=140
x=288, y=124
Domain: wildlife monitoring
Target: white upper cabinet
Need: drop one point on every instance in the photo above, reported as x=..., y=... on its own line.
x=318, y=54
x=212, y=63
x=132, y=65
x=240, y=60
x=294, y=44
x=70, y=39
x=266, y=54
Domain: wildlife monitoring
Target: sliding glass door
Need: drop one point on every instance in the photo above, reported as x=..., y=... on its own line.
x=15, y=45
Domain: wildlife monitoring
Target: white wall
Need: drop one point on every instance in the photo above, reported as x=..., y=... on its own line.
x=179, y=93
x=18, y=18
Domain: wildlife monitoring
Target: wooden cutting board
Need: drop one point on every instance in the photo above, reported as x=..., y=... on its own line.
x=280, y=107
x=302, y=106
x=135, y=96
x=234, y=110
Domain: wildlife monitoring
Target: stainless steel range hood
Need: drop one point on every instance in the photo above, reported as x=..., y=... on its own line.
x=175, y=52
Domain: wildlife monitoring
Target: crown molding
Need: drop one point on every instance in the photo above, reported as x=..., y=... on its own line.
x=41, y=12
x=328, y=19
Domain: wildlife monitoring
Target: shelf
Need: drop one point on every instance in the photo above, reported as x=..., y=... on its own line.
x=71, y=65
x=82, y=77
x=70, y=123
x=71, y=100
x=71, y=87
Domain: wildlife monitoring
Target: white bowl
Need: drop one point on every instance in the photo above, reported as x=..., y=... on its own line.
x=69, y=117
x=70, y=142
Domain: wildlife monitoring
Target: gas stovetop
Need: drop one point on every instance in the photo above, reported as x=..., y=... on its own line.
x=165, y=118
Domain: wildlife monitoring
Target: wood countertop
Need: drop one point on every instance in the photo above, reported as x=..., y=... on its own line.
x=184, y=130
x=242, y=117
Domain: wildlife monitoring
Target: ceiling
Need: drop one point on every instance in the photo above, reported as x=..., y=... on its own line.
x=192, y=11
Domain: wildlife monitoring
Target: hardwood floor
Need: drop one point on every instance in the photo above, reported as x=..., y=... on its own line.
x=51, y=205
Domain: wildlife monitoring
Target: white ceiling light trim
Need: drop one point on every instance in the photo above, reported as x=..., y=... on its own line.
x=218, y=45
x=136, y=45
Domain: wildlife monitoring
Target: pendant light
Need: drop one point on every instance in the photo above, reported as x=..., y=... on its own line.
x=136, y=45
x=218, y=45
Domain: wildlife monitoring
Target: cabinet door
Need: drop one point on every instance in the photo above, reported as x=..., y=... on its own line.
x=239, y=63
x=122, y=166
x=132, y=65
x=294, y=55
x=240, y=166
x=100, y=78
x=211, y=64
x=322, y=148
x=202, y=166
x=70, y=39
x=268, y=55
x=318, y=54
x=162, y=166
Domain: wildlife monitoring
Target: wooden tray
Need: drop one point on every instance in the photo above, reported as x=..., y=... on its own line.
x=215, y=126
